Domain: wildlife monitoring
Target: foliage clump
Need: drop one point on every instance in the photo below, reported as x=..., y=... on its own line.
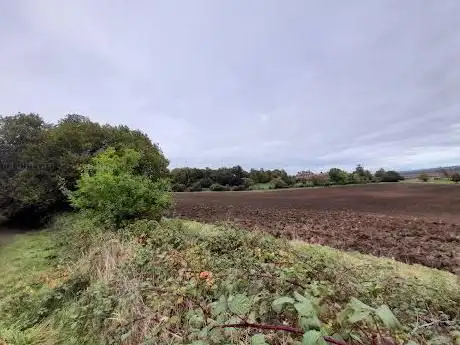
x=456, y=177
x=423, y=177
x=39, y=159
x=114, y=189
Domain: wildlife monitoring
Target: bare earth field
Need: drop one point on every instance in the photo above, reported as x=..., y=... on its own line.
x=411, y=223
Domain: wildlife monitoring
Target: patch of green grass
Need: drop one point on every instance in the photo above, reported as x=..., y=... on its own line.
x=171, y=282
x=261, y=186
x=25, y=260
x=28, y=269
x=430, y=181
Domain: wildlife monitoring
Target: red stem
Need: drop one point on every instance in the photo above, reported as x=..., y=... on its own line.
x=277, y=328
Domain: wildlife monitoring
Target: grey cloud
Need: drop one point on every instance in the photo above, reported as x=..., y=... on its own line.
x=261, y=83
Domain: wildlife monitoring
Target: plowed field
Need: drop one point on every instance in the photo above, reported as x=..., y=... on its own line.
x=411, y=223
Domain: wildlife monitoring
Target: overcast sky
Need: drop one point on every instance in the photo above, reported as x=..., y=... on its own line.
x=274, y=84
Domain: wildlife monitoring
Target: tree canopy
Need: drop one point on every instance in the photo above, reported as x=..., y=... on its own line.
x=39, y=159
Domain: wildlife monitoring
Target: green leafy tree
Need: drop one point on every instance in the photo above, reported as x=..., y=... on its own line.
x=380, y=174
x=338, y=176
x=40, y=159
x=24, y=167
x=113, y=191
x=392, y=176
x=365, y=175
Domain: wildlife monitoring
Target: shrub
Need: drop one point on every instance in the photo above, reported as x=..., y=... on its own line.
x=423, y=177
x=196, y=187
x=278, y=183
x=338, y=176
x=456, y=177
x=392, y=176
x=216, y=187
x=179, y=187
x=112, y=191
x=354, y=178
x=205, y=182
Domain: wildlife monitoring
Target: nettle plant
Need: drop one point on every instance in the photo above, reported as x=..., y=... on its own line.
x=357, y=323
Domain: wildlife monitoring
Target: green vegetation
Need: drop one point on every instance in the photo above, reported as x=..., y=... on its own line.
x=39, y=160
x=456, y=177
x=423, y=177
x=435, y=180
x=113, y=189
x=174, y=282
x=236, y=179
x=116, y=272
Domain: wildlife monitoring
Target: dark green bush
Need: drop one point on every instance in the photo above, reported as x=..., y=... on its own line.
x=178, y=187
x=215, y=187
x=392, y=176
x=205, y=182
x=338, y=176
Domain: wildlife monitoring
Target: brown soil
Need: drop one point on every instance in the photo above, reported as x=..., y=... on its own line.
x=411, y=223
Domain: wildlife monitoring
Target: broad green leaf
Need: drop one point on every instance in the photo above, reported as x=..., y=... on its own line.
x=387, y=317
x=305, y=308
x=195, y=318
x=344, y=315
x=359, y=315
x=239, y=304
x=278, y=303
x=252, y=317
x=125, y=336
x=308, y=323
x=411, y=342
x=216, y=335
x=299, y=297
x=313, y=338
x=356, y=304
x=258, y=339
x=219, y=307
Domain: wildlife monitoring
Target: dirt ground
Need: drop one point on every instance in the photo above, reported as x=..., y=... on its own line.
x=411, y=223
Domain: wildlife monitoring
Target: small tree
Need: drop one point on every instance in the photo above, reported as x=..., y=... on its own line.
x=113, y=191
x=338, y=176
x=392, y=176
x=456, y=177
x=379, y=174
x=423, y=177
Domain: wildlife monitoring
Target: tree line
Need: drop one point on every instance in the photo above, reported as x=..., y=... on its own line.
x=237, y=179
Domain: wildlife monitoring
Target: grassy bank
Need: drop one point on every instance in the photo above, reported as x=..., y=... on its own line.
x=173, y=282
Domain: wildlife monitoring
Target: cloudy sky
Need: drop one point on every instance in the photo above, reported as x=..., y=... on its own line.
x=260, y=83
